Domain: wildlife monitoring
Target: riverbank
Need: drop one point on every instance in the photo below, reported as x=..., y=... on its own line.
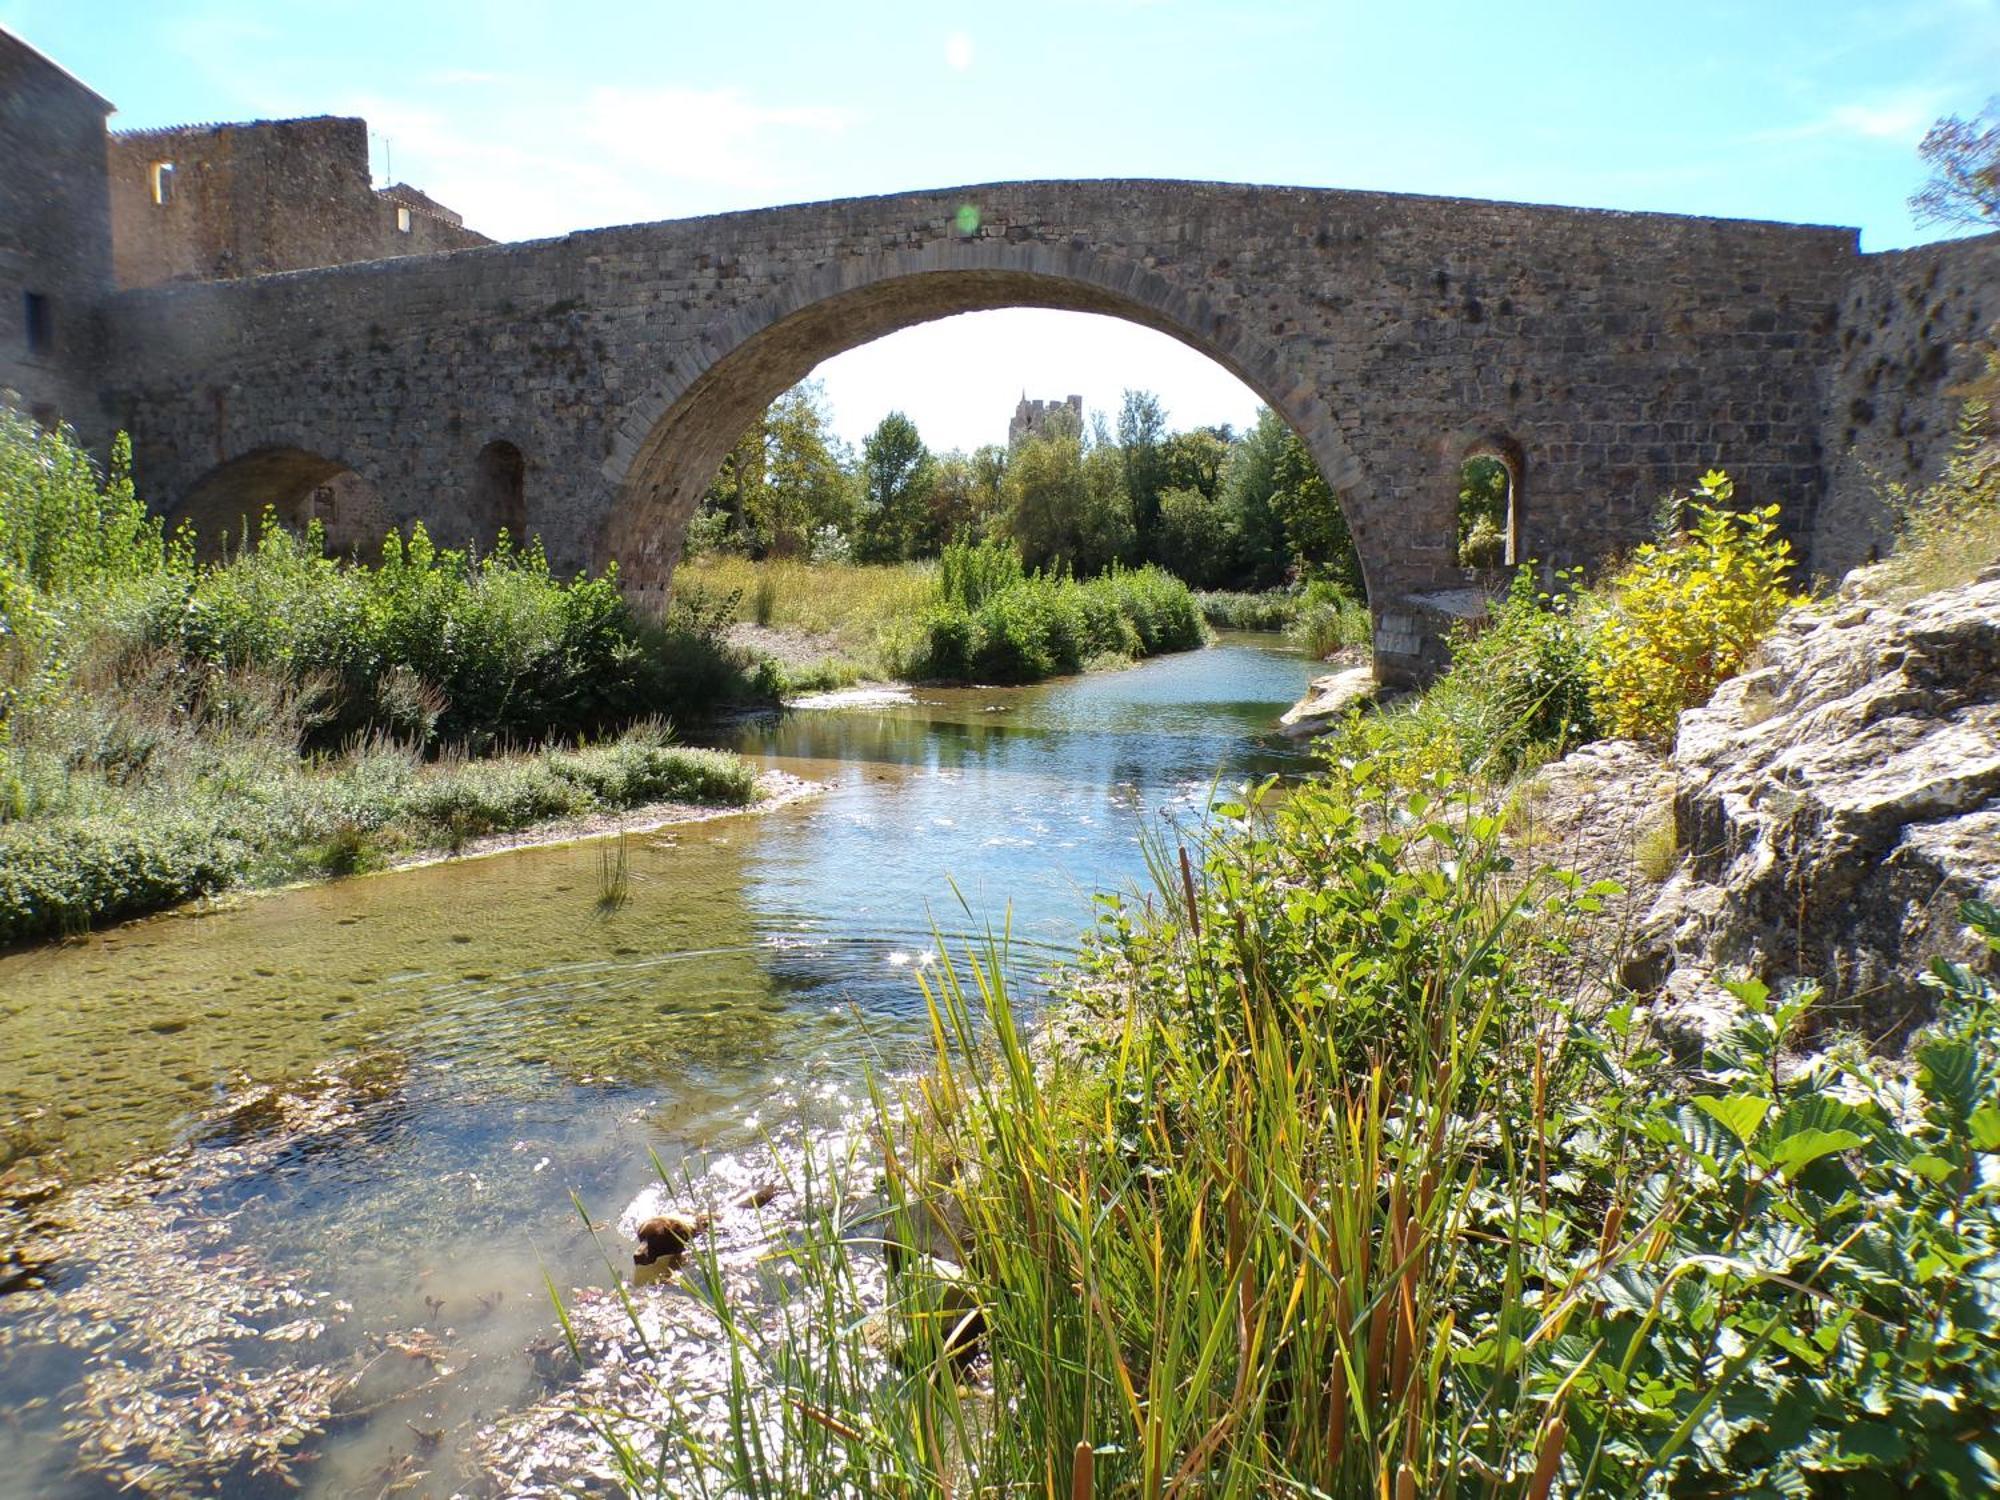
x=770, y=791
x=170, y=728
x=271, y=820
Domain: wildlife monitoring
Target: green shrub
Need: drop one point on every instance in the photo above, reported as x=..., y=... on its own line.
x=1948, y=531
x=1682, y=617
x=971, y=573
x=66, y=875
x=1327, y=619
x=1040, y=625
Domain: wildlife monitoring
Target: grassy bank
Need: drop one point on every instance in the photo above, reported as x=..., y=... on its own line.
x=1321, y=617
x=975, y=616
x=170, y=728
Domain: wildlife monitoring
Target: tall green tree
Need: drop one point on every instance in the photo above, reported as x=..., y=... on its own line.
x=964, y=498
x=1317, y=540
x=897, y=472
x=1142, y=437
x=1249, y=487
x=1066, y=506
x=806, y=485
x=1196, y=459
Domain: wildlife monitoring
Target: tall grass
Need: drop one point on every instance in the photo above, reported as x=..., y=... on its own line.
x=1949, y=531
x=995, y=623
x=854, y=605
x=1220, y=1247
x=1329, y=619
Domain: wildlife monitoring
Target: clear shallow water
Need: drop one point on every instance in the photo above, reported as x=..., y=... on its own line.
x=522, y=1046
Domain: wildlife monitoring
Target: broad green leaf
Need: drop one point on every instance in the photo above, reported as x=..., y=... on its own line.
x=1808, y=1146
x=1739, y=1114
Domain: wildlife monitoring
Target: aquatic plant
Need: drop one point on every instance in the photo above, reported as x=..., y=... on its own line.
x=614, y=875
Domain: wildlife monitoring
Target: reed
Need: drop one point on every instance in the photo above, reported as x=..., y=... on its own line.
x=614, y=875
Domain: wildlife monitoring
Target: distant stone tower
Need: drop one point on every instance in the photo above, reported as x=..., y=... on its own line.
x=1031, y=418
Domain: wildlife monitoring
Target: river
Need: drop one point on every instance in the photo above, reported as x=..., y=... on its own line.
x=504, y=1042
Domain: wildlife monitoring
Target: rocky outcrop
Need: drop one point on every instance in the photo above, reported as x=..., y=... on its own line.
x=1834, y=807
x=1328, y=700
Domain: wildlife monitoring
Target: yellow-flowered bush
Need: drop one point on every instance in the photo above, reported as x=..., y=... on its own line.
x=1684, y=615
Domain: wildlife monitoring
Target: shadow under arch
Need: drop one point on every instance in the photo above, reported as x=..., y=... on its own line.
x=226, y=505
x=671, y=444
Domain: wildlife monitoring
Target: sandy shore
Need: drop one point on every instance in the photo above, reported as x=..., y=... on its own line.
x=775, y=789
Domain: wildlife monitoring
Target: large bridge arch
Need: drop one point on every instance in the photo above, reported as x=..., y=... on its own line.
x=672, y=442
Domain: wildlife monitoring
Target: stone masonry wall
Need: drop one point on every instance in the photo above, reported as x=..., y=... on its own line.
x=1620, y=354
x=1914, y=326
x=275, y=195
x=54, y=234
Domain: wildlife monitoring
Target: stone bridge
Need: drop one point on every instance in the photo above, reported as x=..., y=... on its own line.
x=590, y=386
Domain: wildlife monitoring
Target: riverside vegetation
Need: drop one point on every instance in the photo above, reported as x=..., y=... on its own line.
x=975, y=615
x=1342, y=1167
x=169, y=728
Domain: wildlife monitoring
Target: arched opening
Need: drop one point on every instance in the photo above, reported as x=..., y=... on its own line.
x=1488, y=538
x=227, y=504
x=498, y=501
x=671, y=449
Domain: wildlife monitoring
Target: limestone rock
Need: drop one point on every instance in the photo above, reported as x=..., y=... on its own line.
x=1327, y=699
x=1835, y=806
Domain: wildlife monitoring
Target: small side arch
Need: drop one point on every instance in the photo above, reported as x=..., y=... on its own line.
x=1480, y=455
x=226, y=505
x=498, y=500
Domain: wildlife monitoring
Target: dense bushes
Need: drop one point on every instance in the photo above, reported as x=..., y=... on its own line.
x=1681, y=618
x=435, y=645
x=1266, y=609
x=1330, y=619
x=993, y=623
x=1551, y=669
x=153, y=710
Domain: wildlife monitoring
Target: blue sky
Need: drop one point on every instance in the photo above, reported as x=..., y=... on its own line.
x=536, y=118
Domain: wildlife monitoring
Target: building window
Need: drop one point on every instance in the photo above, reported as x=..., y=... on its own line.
x=41, y=321
x=163, y=182
x=403, y=220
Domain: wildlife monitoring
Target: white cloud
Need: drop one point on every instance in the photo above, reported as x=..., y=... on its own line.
x=1900, y=117
x=958, y=51
x=521, y=166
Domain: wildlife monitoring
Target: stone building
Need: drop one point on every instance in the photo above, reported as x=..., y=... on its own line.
x=214, y=202
x=1031, y=418
x=55, y=235
x=85, y=214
